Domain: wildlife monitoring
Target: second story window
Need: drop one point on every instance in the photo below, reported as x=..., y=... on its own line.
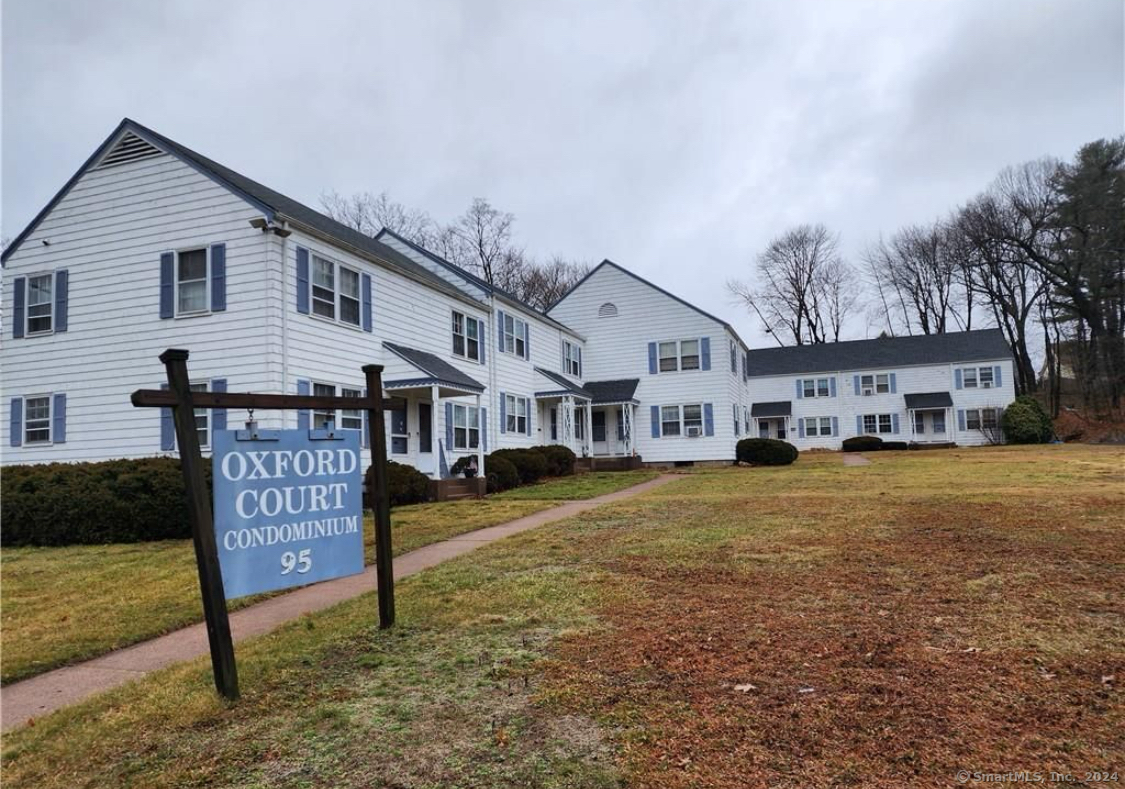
x=515, y=332
x=324, y=288
x=191, y=282
x=815, y=387
x=875, y=384
x=466, y=336
x=40, y=298
x=572, y=359
x=677, y=355
x=335, y=291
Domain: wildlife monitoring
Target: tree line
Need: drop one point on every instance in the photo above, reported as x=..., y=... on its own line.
x=479, y=241
x=1040, y=252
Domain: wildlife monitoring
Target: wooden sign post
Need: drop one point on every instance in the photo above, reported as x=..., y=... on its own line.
x=184, y=402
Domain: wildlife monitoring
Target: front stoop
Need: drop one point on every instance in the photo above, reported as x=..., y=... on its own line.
x=458, y=488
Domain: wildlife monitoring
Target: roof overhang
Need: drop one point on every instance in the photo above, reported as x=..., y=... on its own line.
x=425, y=385
x=929, y=400
x=774, y=409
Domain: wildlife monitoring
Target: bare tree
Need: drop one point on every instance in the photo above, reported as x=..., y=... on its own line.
x=544, y=284
x=803, y=288
x=369, y=213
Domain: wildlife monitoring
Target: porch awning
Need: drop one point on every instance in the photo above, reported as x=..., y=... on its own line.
x=929, y=400
x=559, y=386
x=767, y=410
x=616, y=392
x=434, y=371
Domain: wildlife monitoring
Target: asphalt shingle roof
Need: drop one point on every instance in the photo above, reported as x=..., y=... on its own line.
x=563, y=383
x=434, y=367
x=617, y=391
x=777, y=408
x=929, y=400
x=970, y=346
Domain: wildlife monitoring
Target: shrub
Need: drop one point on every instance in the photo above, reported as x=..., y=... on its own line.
x=501, y=474
x=94, y=503
x=405, y=484
x=863, y=444
x=765, y=452
x=895, y=445
x=1026, y=422
x=560, y=460
x=462, y=465
x=530, y=465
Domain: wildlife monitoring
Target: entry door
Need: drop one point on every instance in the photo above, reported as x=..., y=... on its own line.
x=601, y=447
x=426, y=438
x=763, y=428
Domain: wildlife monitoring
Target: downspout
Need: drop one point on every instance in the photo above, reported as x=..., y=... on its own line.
x=493, y=394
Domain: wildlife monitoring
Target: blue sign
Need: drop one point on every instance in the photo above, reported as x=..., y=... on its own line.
x=288, y=507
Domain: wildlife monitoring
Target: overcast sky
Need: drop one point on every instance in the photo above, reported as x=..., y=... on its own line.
x=673, y=138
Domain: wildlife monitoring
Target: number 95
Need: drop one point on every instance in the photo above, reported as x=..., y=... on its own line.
x=301, y=562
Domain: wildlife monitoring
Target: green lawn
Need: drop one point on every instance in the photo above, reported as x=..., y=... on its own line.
x=581, y=486
x=810, y=625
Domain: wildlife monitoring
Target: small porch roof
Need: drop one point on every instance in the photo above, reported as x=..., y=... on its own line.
x=929, y=400
x=615, y=392
x=558, y=385
x=774, y=409
x=434, y=371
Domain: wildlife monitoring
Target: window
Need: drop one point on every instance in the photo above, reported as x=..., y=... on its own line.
x=989, y=418
x=984, y=377
x=693, y=420
x=678, y=355
x=37, y=427
x=981, y=419
x=202, y=418
x=877, y=423
x=323, y=416
x=39, y=304
x=400, y=440
x=191, y=281
x=875, y=384
x=969, y=378
x=325, y=294
x=516, y=414
x=466, y=427
x=670, y=420
x=884, y=423
x=818, y=426
x=572, y=361
x=466, y=337
x=939, y=421
x=351, y=418
x=515, y=332
x=815, y=387
x=733, y=358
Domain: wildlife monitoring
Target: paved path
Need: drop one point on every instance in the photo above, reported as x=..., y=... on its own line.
x=48, y=692
x=851, y=459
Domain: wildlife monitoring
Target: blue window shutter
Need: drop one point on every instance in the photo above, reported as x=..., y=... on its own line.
x=579, y=352
x=800, y=428
x=734, y=410
x=961, y=419
x=302, y=280
x=655, y=421
x=527, y=341
x=562, y=355
x=219, y=415
x=835, y=426
x=58, y=419
x=957, y=379
x=894, y=386
x=855, y=384
x=733, y=358
x=800, y=388
x=996, y=381
x=832, y=386
x=365, y=291
x=503, y=413
x=484, y=428
x=858, y=424
x=449, y=424
x=62, y=299
x=15, y=422
x=366, y=431
x=482, y=339
x=530, y=411
x=705, y=352
x=218, y=277
x=303, y=421
x=652, y=358
x=167, y=428
x=894, y=424
x=708, y=420
x=167, y=277
x=500, y=329
x=19, y=289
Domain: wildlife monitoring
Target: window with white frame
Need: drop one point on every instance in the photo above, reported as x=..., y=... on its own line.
x=875, y=384
x=818, y=426
x=969, y=377
x=677, y=355
x=323, y=416
x=347, y=419
x=572, y=363
x=670, y=420
x=191, y=281
x=351, y=418
x=815, y=387
x=516, y=413
x=981, y=419
x=40, y=303
x=693, y=420
x=466, y=427
x=335, y=291
x=202, y=418
x=466, y=337
x=877, y=423
x=984, y=377
x=733, y=358
x=37, y=420
x=515, y=332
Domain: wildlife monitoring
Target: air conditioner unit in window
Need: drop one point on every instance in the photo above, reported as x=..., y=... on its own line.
x=986, y=385
x=694, y=432
x=868, y=392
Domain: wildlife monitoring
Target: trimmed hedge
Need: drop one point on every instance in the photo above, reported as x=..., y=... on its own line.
x=560, y=459
x=405, y=484
x=501, y=473
x=95, y=503
x=863, y=444
x=900, y=445
x=1026, y=422
x=765, y=452
x=530, y=465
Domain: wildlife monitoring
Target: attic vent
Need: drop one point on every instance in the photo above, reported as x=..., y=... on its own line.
x=607, y=310
x=131, y=149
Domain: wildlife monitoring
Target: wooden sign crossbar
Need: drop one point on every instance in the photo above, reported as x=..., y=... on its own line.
x=183, y=402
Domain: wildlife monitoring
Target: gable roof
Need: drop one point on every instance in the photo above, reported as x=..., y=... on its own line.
x=657, y=288
x=434, y=367
x=273, y=204
x=473, y=279
x=918, y=349
x=563, y=383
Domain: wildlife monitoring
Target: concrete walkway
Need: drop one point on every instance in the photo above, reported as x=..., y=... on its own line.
x=48, y=692
x=851, y=459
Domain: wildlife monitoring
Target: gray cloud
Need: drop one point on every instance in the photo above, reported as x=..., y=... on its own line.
x=675, y=138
